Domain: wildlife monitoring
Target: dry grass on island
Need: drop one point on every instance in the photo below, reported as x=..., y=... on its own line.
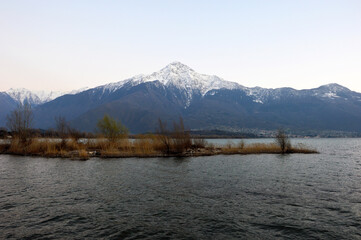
x=113, y=142
x=177, y=143
x=145, y=146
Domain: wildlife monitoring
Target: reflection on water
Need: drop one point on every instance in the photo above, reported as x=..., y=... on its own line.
x=223, y=197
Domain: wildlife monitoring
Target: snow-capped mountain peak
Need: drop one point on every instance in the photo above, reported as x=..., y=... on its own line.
x=23, y=95
x=179, y=75
x=332, y=91
x=333, y=87
x=183, y=77
x=34, y=98
x=176, y=68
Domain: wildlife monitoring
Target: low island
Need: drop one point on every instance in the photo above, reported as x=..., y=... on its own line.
x=152, y=146
x=113, y=142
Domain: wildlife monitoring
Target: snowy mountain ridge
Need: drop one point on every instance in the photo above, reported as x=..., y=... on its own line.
x=189, y=82
x=178, y=75
x=34, y=98
x=23, y=95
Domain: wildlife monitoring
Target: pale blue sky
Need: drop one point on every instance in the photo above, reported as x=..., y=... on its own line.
x=65, y=45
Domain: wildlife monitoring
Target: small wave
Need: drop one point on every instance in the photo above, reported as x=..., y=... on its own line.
x=7, y=206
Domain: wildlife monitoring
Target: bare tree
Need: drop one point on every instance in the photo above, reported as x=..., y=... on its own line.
x=175, y=141
x=75, y=134
x=164, y=136
x=181, y=137
x=20, y=121
x=283, y=141
x=62, y=127
x=64, y=130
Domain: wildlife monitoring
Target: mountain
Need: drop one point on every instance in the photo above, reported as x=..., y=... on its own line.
x=10, y=99
x=205, y=102
x=34, y=98
x=7, y=104
x=165, y=94
x=180, y=77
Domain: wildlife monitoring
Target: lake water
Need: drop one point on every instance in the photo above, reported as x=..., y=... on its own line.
x=219, y=197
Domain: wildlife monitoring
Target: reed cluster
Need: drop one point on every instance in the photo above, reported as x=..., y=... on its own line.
x=69, y=148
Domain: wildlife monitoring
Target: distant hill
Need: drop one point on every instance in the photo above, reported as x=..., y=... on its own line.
x=7, y=104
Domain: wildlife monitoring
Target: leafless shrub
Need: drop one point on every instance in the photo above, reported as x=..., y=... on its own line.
x=199, y=143
x=241, y=144
x=20, y=121
x=181, y=137
x=283, y=141
x=164, y=137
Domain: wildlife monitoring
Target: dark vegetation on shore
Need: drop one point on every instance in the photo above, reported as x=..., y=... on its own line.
x=113, y=141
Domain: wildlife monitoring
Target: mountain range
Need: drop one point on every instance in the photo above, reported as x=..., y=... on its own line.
x=204, y=102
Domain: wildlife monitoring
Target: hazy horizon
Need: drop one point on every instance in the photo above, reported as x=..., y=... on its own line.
x=66, y=45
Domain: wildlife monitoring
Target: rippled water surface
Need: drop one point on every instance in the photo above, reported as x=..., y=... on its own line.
x=220, y=197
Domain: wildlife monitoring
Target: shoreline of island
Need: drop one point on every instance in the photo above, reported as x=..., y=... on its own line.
x=154, y=147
